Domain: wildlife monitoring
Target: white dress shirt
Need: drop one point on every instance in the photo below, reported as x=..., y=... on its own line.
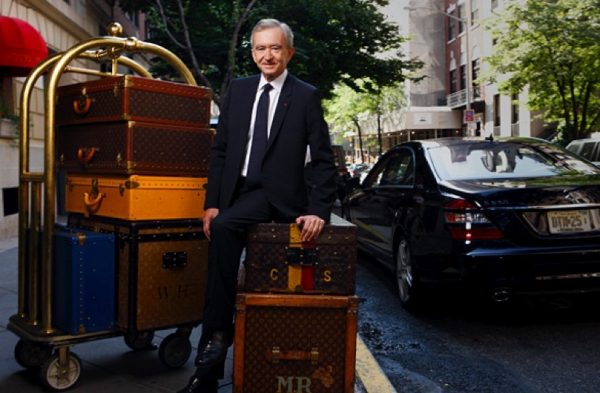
x=277, y=85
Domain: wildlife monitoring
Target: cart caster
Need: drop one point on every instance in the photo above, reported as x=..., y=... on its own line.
x=174, y=350
x=61, y=372
x=31, y=355
x=140, y=340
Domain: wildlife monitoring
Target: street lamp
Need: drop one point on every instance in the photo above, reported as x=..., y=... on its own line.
x=468, y=115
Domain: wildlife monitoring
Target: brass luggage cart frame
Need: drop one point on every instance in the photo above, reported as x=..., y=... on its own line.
x=40, y=344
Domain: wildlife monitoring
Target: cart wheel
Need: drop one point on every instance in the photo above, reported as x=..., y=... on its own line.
x=140, y=340
x=59, y=377
x=174, y=350
x=31, y=355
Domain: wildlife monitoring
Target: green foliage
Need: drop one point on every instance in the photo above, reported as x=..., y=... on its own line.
x=553, y=49
x=346, y=107
x=335, y=40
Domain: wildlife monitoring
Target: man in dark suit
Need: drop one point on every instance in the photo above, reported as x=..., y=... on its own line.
x=257, y=162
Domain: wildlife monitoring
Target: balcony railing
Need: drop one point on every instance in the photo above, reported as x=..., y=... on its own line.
x=459, y=98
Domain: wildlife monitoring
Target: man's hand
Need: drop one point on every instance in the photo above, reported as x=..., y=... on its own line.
x=311, y=227
x=209, y=214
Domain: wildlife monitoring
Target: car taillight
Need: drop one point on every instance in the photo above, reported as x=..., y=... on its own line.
x=467, y=223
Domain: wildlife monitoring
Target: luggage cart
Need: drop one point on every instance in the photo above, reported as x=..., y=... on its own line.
x=41, y=344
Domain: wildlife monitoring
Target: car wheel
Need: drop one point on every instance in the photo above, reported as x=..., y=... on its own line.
x=406, y=277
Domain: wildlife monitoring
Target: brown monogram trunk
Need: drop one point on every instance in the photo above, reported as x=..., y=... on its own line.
x=133, y=98
x=277, y=261
x=295, y=343
x=161, y=270
x=130, y=147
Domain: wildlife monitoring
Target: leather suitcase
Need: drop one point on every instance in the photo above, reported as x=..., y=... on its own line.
x=136, y=197
x=133, y=98
x=277, y=261
x=84, y=281
x=130, y=147
x=294, y=343
x=162, y=270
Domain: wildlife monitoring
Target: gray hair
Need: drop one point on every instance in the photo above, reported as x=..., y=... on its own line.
x=264, y=24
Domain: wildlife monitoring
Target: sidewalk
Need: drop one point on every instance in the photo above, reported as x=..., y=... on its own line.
x=108, y=365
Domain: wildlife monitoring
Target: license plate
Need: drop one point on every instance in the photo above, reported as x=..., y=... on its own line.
x=569, y=221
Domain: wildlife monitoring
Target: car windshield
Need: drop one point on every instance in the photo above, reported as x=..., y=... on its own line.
x=495, y=160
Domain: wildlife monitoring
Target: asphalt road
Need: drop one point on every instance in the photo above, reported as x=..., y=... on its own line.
x=459, y=344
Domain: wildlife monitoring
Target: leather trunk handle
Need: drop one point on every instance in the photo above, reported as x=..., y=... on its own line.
x=91, y=202
x=82, y=104
x=85, y=154
x=276, y=354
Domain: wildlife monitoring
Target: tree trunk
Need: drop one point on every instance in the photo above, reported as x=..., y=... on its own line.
x=360, y=144
x=379, y=140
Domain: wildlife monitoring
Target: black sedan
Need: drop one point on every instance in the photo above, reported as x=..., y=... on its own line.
x=511, y=215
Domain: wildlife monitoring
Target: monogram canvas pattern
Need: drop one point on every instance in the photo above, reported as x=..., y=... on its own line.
x=266, y=267
x=173, y=150
x=294, y=329
x=105, y=105
x=135, y=148
x=134, y=98
x=150, y=106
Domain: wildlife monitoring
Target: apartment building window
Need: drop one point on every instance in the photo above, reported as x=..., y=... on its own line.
x=461, y=12
x=463, y=76
x=451, y=29
x=474, y=12
x=452, y=77
x=475, y=69
x=496, y=110
x=515, y=108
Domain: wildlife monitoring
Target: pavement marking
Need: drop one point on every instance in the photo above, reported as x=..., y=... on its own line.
x=369, y=372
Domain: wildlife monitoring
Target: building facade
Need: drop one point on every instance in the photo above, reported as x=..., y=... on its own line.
x=450, y=39
x=467, y=45
x=62, y=24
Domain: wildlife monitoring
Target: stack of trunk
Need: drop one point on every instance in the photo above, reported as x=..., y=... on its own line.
x=135, y=155
x=296, y=312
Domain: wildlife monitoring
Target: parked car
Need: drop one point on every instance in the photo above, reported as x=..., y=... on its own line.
x=357, y=170
x=588, y=148
x=511, y=216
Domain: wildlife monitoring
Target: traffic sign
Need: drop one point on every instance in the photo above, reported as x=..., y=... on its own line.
x=469, y=115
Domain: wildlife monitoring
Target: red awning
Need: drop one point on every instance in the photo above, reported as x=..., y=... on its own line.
x=21, y=47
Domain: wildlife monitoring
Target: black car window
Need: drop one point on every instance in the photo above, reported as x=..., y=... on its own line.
x=396, y=169
x=587, y=150
x=491, y=160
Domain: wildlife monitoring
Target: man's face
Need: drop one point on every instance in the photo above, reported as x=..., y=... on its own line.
x=270, y=52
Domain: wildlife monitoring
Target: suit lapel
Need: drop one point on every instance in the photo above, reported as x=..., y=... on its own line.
x=245, y=113
x=282, y=107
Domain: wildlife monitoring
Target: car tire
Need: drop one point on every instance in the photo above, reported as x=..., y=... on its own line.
x=407, y=281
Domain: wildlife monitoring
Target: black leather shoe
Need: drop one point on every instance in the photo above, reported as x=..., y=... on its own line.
x=201, y=382
x=214, y=352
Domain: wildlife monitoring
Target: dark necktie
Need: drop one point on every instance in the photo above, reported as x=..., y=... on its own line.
x=259, y=139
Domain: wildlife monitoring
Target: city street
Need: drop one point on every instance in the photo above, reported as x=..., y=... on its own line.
x=457, y=345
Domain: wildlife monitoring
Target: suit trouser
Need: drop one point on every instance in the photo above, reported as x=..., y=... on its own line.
x=228, y=239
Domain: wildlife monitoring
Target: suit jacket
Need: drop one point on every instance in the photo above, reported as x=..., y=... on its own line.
x=298, y=121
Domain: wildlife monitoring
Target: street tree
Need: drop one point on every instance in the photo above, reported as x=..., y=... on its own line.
x=553, y=49
x=349, y=107
x=336, y=40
